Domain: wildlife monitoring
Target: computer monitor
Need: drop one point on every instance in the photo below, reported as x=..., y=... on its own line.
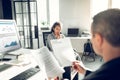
x=73, y=32
x=9, y=39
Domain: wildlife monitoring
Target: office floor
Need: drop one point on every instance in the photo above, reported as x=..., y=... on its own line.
x=93, y=65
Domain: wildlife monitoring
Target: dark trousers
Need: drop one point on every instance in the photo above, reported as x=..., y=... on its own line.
x=67, y=74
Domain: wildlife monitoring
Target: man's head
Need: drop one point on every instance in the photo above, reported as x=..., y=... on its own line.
x=106, y=28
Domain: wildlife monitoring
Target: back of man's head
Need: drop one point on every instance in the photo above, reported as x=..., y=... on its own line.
x=107, y=23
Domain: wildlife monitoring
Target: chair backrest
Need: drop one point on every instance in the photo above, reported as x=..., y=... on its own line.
x=88, y=47
x=45, y=35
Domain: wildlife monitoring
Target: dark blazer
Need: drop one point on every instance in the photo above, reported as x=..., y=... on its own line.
x=108, y=71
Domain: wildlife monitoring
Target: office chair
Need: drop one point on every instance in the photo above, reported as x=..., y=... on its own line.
x=45, y=35
x=88, y=51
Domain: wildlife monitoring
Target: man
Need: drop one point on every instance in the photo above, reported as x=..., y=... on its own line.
x=105, y=31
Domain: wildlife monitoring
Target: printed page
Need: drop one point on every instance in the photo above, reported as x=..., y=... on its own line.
x=38, y=59
x=52, y=66
x=63, y=51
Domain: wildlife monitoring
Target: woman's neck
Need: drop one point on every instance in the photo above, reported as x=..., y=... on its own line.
x=57, y=35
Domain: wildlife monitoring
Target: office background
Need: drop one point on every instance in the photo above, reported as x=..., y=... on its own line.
x=36, y=16
x=71, y=13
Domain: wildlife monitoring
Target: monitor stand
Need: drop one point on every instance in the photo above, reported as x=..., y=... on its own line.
x=3, y=58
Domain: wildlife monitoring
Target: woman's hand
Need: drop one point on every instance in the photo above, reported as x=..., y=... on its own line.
x=78, y=66
x=58, y=36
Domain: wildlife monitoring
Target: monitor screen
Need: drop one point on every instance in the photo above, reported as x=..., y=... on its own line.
x=73, y=31
x=9, y=39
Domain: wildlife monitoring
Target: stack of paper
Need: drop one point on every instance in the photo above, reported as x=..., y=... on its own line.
x=52, y=66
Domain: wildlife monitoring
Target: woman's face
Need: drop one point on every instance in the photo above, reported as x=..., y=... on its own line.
x=57, y=29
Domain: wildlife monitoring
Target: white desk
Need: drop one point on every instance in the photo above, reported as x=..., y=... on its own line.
x=78, y=43
x=15, y=70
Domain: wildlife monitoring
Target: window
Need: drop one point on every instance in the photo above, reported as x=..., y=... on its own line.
x=115, y=4
x=98, y=6
x=48, y=12
x=42, y=12
x=54, y=11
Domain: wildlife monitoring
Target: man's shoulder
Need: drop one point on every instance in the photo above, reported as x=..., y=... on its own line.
x=108, y=71
x=105, y=74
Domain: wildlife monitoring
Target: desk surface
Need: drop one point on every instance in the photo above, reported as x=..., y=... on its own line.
x=88, y=37
x=19, y=68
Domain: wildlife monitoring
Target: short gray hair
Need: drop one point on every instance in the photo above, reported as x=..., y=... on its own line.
x=107, y=23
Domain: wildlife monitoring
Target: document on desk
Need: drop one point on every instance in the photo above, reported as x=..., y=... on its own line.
x=20, y=51
x=63, y=51
x=52, y=66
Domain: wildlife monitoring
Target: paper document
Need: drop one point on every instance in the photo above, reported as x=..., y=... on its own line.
x=63, y=51
x=52, y=66
x=38, y=59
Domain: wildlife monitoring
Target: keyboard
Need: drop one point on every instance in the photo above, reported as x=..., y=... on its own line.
x=4, y=67
x=26, y=74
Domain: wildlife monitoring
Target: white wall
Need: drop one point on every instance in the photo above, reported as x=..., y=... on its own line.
x=72, y=13
x=75, y=13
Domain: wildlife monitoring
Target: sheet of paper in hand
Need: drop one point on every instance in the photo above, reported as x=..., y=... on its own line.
x=63, y=51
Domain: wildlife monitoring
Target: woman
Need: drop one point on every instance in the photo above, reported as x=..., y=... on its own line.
x=55, y=34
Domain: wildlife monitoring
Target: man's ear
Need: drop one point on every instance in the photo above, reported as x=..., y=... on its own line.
x=99, y=39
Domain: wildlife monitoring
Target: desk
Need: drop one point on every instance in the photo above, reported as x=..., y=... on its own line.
x=15, y=70
x=78, y=43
